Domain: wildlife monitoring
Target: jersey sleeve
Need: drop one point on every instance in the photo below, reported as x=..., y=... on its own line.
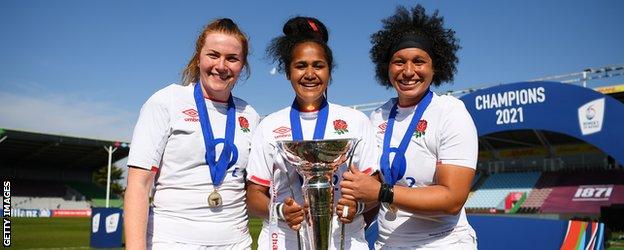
x=367, y=149
x=260, y=163
x=150, y=133
x=459, y=143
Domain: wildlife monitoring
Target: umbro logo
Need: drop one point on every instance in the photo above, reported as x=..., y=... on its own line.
x=191, y=112
x=382, y=128
x=282, y=132
x=192, y=115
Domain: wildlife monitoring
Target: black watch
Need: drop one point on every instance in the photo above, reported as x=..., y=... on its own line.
x=386, y=194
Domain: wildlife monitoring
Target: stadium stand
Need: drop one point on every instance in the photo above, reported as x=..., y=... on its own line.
x=565, y=191
x=538, y=195
x=476, y=180
x=54, y=172
x=38, y=188
x=44, y=194
x=496, y=187
x=585, y=191
x=48, y=203
x=89, y=190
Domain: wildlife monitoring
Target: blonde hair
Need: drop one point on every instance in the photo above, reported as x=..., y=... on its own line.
x=224, y=26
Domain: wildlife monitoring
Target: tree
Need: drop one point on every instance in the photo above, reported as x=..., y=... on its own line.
x=99, y=177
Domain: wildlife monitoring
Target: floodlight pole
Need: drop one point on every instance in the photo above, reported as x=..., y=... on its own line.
x=110, y=151
x=584, y=80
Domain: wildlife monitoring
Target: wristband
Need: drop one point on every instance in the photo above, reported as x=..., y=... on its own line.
x=279, y=210
x=360, y=208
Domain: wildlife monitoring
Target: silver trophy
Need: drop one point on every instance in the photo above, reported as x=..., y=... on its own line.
x=316, y=161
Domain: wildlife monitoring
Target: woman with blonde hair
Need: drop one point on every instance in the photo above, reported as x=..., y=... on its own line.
x=192, y=142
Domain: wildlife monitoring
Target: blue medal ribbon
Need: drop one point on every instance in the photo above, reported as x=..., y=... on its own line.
x=319, y=128
x=392, y=172
x=229, y=153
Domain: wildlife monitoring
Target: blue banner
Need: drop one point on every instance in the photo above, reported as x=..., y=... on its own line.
x=106, y=226
x=499, y=232
x=563, y=108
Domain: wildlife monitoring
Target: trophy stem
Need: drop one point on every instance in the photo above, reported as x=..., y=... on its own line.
x=319, y=192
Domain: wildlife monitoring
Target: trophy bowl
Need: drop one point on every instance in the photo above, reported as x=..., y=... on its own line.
x=316, y=161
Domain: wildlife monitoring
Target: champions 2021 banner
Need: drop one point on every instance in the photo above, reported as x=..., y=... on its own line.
x=576, y=111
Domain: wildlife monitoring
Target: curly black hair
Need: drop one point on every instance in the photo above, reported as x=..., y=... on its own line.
x=415, y=22
x=298, y=30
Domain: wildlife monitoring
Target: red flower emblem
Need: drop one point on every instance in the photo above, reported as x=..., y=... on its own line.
x=422, y=125
x=244, y=124
x=340, y=126
x=420, y=128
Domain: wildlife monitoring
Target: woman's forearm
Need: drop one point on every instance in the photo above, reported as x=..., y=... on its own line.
x=136, y=201
x=258, y=200
x=447, y=195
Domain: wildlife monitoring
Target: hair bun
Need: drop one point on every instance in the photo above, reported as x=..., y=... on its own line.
x=306, y=27
x=226, y=23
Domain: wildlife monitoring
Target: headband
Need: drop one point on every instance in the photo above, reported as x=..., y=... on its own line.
x=411, y=41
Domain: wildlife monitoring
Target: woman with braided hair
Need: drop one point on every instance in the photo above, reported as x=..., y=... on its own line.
x=429, y=143
x=303, y=55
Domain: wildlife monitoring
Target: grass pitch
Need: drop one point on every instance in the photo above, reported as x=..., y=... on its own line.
x=69, y=233
x=29, y=233
x=73, y=233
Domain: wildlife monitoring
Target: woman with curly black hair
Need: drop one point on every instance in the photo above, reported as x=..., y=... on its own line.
x=429, y=143
x=303, y=55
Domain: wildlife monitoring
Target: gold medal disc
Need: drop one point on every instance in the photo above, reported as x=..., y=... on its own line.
x=214, y=199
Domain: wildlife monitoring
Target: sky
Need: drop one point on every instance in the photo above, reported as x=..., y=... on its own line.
x=84, y=68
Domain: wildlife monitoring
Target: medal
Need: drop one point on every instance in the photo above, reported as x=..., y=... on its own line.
x=229, y=153
x=214, y=199
x=394, y=171
x=390, y=209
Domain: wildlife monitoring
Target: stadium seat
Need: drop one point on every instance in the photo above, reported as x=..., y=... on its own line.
x=493, y=191
x=538, y=195
x=21, y=202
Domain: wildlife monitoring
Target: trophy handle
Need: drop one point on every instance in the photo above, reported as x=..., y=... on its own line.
x=342, y=228
x=352, y=153
x=281, y=152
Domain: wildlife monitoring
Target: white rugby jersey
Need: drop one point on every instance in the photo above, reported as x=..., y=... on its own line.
x=265, y=164
x=447, y=136
x=168, y=136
